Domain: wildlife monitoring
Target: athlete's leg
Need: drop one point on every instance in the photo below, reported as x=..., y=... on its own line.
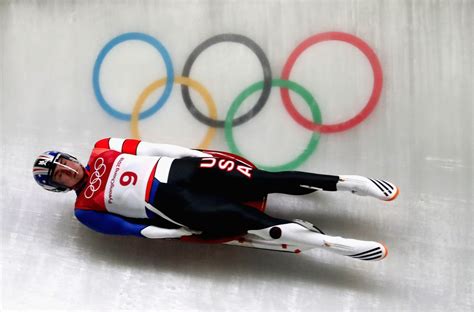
x=298, y=233
x=225, y=176
x=218, y=217
x=231, y=178
x=214, y=215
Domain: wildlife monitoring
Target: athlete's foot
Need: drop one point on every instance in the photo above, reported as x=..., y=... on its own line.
x=368, y=187
x=357, y=249
x=304, y=234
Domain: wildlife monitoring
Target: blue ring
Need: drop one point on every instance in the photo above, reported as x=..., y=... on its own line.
x=169, y=74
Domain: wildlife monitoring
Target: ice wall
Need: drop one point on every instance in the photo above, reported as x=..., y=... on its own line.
x=69, y=70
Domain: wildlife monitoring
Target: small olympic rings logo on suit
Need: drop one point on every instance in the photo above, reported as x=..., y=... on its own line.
x=284, y=83
x=95, y=180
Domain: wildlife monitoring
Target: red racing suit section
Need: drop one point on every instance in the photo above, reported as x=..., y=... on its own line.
x=119, y=183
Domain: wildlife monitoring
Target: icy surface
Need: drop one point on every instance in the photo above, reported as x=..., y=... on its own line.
x=419, y=136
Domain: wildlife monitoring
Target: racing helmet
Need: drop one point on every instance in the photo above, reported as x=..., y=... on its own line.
x=43, y=170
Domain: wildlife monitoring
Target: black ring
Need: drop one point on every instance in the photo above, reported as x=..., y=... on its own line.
x=267, y=79
x=275, y=232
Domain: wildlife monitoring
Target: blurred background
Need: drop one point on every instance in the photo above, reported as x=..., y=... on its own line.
x=391, y=82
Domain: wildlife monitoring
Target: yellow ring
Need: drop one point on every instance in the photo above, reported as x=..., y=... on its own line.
x=211, y=132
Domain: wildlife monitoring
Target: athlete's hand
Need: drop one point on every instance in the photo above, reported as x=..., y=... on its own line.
x=188, y=232
x=157, y=232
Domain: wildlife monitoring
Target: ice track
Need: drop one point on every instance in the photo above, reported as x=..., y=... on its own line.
x=59, y=65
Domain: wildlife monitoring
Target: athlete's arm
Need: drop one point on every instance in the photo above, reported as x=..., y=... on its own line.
x=138, y=147
x=108, y=223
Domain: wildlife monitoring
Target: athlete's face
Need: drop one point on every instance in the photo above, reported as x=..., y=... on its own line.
x=68, y=173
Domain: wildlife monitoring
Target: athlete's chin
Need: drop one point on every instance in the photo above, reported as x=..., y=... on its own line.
x=79, y=178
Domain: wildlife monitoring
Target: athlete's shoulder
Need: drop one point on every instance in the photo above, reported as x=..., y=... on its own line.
x=105, y=145
x=102, y=143
x=123, y=145
x=102, y=153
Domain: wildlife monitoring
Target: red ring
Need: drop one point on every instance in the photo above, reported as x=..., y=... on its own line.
x=374, y=97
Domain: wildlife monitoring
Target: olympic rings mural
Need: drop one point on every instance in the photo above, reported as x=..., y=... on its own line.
x=211, y=119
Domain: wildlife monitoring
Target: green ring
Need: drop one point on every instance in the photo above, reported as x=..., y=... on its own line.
x=305, y=94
